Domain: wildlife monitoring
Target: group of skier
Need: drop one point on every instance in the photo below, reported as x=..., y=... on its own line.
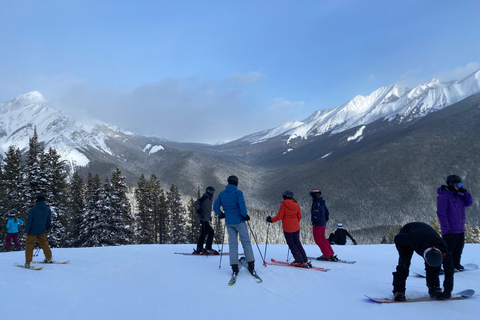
x=230, y=205
x=417, y=237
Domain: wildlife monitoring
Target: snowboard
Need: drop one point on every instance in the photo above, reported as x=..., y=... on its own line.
x=457, y=296
x=468, y=267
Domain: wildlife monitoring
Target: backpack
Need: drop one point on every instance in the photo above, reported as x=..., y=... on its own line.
x=197, y=205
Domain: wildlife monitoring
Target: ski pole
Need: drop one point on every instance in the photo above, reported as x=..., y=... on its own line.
x=221, y=251
x=255, y=238
x=288, y=253
x=266, y=244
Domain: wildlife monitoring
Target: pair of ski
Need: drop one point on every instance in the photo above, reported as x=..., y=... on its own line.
x=41, y=262
x=243, y=263
x=288, y=264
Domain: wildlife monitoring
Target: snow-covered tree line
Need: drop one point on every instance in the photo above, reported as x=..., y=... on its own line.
x=92, y=213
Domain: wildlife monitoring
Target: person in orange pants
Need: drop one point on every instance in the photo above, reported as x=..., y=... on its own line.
x=319, y=217
x=37, y=227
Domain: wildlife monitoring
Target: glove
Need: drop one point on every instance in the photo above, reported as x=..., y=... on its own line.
x=48, y=232
x=354, y=242
x=26, y=235
x=222, y=216
x=269, y=219
x=246, y=218
x=462, y=190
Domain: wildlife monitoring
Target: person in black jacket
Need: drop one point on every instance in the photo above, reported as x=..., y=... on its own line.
x=340, y=236
x=204, y=205
x=419, y=237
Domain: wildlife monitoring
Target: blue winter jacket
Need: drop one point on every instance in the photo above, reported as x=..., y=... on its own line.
x=12, y=226
x=233, y=204
x=320, y=213
x=39, y=219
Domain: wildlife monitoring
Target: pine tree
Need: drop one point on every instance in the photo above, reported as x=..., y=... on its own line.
x=469, y=235
x=53, y=177
x=122, y=219
x=219, y=229
x=146, y=231
x=195, y=227
x=160, y=210
x=476, y=234
x=34, y=184
x=177, y=217
x=435, y=224
x=13, y=195
x=76, y=206
x=92, y=230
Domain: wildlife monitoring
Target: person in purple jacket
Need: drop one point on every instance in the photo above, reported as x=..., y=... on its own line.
x=452, y=200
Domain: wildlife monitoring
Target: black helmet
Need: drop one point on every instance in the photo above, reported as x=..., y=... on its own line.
x=233, y=180
x=451, y=180
x=287, y=194
x=315, y=193
x=40, y=198
x=210, y=190
x=433, y=257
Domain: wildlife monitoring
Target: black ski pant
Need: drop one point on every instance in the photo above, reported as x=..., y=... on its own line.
x=206, y=231
x=400, y=276
x=455, y=243
x=293, y=241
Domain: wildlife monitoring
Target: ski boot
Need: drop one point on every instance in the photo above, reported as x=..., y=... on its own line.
x=399, y=296
x=235, y=269
x=48, y=261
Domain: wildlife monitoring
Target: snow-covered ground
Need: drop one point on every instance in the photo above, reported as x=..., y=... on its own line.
x=151, y=282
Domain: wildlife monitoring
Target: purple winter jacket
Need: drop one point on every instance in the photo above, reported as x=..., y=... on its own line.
x=451, y=210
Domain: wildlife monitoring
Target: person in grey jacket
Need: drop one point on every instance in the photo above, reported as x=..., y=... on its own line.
x=204, y=205
x=37, y=227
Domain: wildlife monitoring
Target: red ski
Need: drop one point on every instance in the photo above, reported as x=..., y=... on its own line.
x=288, y=264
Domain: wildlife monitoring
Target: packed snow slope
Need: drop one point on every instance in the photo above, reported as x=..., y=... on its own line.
x=151, y=282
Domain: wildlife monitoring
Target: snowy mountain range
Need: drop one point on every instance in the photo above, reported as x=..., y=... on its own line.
x=390, y=103
x=359, y=153
x=72, y=138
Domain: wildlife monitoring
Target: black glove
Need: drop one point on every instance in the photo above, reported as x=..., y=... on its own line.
x=462, y=190
x=269, y=219
x=246, y=218
x=354, y=242
x=222, y=216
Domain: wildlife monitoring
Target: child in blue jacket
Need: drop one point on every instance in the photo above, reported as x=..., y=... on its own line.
x=12, y=231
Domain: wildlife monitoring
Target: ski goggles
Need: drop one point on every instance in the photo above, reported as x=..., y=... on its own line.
x=459, y=185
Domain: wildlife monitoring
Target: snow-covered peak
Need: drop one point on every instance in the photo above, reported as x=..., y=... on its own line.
x=20, y=117
x=384, y=103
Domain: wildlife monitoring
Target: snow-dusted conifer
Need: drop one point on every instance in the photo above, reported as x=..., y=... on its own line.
x=177, y=216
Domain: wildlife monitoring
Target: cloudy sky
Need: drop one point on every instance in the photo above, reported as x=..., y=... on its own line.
x=211, y=71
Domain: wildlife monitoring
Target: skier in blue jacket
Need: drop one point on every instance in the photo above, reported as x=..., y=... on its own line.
x=235, y=214
x=12, y=231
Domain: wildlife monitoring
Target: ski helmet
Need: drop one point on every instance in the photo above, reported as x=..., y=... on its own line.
x=287, y=194
x=233, y=180
x=210, y=190
x=433, y=257
x=40, y=198
x=12, y=214
x=339, y=225
x=315, y=193
x=452, y=179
